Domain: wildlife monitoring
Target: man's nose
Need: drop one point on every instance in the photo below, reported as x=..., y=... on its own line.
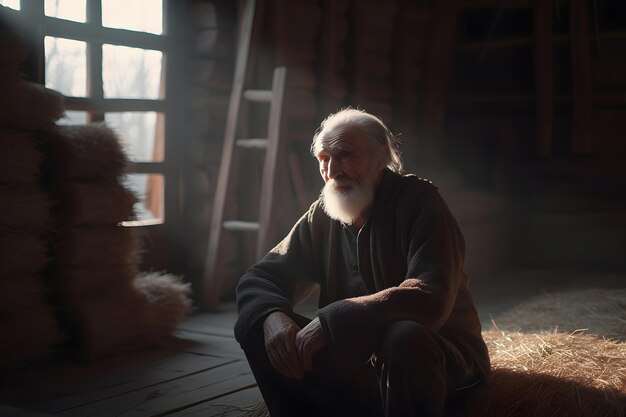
x=334, y=168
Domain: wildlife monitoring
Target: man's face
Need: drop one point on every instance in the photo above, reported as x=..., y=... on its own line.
x=350, y=171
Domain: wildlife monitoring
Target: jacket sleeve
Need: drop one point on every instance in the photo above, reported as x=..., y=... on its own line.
x=270, y=284
x=426, y=295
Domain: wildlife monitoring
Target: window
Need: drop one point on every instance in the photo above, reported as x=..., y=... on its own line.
x=108, y=58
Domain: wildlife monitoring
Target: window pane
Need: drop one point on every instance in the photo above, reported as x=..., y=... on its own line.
x=149, y=190
x=131, y=72
x=66, y=66
x=141, y=134
x=67, y=9
x=143, y=16
x=72, y=117
x=12, y=4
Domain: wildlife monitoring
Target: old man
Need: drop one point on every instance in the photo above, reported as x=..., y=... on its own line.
x=396, y=332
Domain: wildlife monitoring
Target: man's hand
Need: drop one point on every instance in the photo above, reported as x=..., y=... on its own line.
x=280, y=344
x=309, y=340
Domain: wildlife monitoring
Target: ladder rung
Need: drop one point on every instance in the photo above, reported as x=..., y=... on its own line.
x=258, y=95
x=252, y=143
x=241, y=226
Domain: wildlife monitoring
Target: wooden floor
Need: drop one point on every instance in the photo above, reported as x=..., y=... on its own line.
x=202, y=372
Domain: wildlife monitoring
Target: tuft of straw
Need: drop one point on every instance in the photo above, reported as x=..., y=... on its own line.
x=169, y=299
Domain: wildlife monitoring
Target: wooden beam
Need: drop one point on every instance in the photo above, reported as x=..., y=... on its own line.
x=544, y=77
x=438, y=69
x=582, y=96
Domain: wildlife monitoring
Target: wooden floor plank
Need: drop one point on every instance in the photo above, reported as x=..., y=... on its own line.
x=227, y=406
x=203, y=344
x=165, y=398
x=7, y=411
x=96, y=387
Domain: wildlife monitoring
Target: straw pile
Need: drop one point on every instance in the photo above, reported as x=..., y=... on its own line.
x=28, y=325
x=552, y=374
x=110, y=307
x=570, y=359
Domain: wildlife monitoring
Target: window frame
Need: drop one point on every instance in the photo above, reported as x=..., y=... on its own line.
x=96, y=105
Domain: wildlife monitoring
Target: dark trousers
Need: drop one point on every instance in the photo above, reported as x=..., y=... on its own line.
x=414, y=372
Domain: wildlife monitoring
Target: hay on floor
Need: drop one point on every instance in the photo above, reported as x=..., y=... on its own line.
x=552, y=374
x=596, y=311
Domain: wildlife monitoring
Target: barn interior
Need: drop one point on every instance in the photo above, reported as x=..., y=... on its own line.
x=120, y=248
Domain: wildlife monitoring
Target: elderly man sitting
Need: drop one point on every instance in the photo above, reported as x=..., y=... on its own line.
x=396, y=333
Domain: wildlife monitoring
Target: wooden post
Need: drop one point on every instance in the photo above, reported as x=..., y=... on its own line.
x=438, y=69
x=581, y=77
x=544, y=77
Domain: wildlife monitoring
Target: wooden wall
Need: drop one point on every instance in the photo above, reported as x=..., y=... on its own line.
x=515, y=108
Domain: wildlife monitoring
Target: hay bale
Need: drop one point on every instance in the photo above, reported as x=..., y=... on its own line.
x=552, y=374
x=97, y=246
x=112, y=323
x=28, y=337
x=88, y=282
x=20, y=158
x=24, y=206
x=12, y=45
x=21, y=295
x=22, y=252
x=95, y=203
x=27, y=106
x=597, y=311
x=169, y=299
x=91, y=153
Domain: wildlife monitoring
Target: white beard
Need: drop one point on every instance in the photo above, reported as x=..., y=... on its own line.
x=348, y=206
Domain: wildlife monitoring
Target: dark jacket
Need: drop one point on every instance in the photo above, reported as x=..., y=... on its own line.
x=415, y=273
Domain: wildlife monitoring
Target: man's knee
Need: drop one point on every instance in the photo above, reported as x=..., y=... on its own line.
x=408, y=338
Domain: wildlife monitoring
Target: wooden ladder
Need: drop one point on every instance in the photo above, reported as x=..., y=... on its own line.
x=213, y=276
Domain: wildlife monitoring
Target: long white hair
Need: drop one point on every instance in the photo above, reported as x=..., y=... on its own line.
x=372, y=126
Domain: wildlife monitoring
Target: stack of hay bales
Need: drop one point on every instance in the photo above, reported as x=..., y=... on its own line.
x=28, y=325
x=97, y=258
x=64, y=256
